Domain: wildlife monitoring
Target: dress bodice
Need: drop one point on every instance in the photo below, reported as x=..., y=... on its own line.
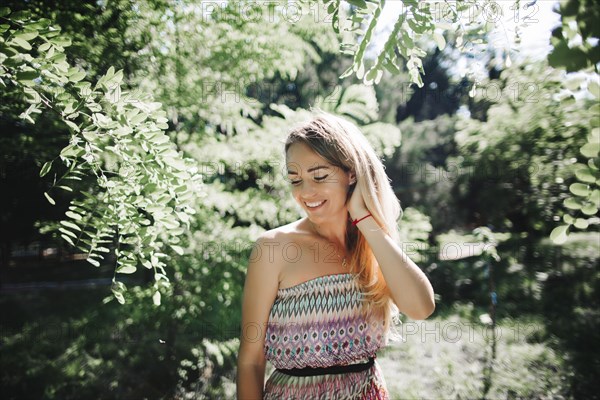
x=322, y=322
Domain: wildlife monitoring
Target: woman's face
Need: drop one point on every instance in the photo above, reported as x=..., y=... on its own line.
x=319, y=187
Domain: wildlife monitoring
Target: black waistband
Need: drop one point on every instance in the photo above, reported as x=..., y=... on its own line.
x=336, y=369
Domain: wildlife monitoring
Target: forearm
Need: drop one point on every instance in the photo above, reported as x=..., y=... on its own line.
x=410, y=288
x=250, y=382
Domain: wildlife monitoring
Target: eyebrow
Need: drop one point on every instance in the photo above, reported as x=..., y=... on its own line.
x=309, y=170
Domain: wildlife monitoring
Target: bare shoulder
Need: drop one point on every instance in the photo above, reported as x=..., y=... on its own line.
x=275, y=248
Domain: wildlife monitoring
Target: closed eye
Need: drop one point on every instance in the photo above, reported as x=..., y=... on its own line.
x=318, y=179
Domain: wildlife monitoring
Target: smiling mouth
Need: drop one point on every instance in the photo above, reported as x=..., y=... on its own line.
x=315, y=205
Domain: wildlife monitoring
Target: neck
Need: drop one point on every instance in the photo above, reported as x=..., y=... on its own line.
x=332, y=230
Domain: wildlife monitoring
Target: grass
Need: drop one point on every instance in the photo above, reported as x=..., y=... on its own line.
x=451, y=358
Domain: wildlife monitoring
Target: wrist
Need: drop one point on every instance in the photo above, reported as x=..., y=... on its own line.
x=355, y=214
x=360, y=216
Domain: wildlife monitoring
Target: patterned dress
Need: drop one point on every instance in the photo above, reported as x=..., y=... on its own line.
x=321, y=323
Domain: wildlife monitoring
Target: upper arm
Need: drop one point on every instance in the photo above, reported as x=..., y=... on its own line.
x=260, y=290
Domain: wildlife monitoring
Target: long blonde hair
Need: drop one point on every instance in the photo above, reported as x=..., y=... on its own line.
x=343, y=145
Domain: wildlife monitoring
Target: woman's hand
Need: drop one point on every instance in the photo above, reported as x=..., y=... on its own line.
x=356, y=203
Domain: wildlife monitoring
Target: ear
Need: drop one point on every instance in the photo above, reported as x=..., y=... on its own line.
x=352, y=177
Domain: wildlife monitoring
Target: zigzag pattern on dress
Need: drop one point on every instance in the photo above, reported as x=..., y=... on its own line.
x=321, y=302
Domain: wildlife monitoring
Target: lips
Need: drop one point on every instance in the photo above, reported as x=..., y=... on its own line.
x=315, y=205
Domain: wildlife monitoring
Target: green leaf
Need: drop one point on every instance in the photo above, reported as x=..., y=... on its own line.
x=4, y=11
x=46, y=168
x=61, y=41
x=39, y=24
x=85, y=88
x=414, y=26
x=572, y=203
x=360, y=70
x=119, y=296
x=72, y=125
x=407, y=40
x=590, y=149
x=579, y=189
x=559, y=234
x=71, y=150
x=67, y=239
x=21, y=43
x=584, y=174
x=391, y=67
x=50, y=199
x=581, y=223
x=127, y=269
x=589, y=209
x=70, y=225
x=27, y=35
x=76, y=77
x=177, y=249
x=92, y=261
x=115, y=80
x=138, y=119
x=156, y=298
x=67, y=232
x=170, y=223
x=73, y=215
x=44, y=47
x=439, y=40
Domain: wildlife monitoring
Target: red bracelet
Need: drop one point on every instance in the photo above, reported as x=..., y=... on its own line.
x=356, y=221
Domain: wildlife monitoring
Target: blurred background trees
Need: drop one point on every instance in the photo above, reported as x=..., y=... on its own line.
x=502, y=153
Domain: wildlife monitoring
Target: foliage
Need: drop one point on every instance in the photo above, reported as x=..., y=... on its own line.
x=188, y=63
x=416, y=21
x=144, y=187
x=423, y=172
x=575, y=41
x=575, y=319
x=585, y=196
x=576, y=47
x=514, y=162
x=415, y=229
x=122, y=351
x=362, y=20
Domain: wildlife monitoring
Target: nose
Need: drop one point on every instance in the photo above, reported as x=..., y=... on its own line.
x=308, y=191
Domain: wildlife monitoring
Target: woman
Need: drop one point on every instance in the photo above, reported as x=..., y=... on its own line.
x=321, y=292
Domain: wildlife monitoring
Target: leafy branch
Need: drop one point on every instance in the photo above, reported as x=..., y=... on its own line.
x=144, y=189
x=416, y=21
